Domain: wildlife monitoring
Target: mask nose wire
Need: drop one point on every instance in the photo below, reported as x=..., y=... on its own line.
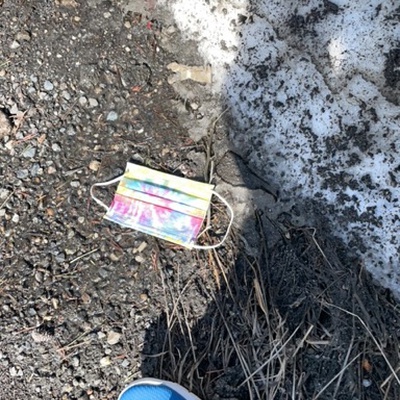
x=108, y=183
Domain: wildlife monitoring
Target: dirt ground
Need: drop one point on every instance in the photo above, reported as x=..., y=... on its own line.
x=280, y=311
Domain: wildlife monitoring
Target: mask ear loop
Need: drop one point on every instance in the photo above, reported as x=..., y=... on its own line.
x=108, y=183
x=214, y=246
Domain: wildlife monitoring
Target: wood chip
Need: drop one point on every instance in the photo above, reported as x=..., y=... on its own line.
x=185, y=72
x=5, y=125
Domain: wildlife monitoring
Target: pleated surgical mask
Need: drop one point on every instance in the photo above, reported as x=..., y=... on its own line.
x=162, y=205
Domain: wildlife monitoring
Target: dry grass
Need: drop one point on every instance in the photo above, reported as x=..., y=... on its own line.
x=294, y=324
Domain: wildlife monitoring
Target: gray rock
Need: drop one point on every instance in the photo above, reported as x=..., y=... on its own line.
x=34, y=169
x=14, y=45
x=22, y=173
x=65, y=94
x=75, y=184
x=112, y=116
x=125, y=363
x=113, y=337
x=30, y=152
x=24, y=36
x=56, y=147
x=48, y=86
x=60, y=257
x=71, y=131
x=75, y=361
x=93, y=102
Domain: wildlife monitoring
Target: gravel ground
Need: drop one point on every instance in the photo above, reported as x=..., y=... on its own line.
x=83, y=90
x=85, y=305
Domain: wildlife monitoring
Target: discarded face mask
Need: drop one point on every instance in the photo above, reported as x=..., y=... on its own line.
x=161, y=205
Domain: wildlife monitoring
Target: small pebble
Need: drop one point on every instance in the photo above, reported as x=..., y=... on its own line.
x=38, y=276
x=56, y=147
x=10, y=146
x=75, y=184
x=112, y=116
x=71, y=131
x=94, y=165
x=144, y=297
x=14, y=109
x=70, y=233
x=107, y=15
x=30, y=152
x=82, y=100
x=69, y=252
x=67, y=388
x=34, y=169
x=48, y=86
x=103, y=273
x=55, y=302
x=4, y=193
x=140, y=248
x=65, y=94
x=114, y=257
x=23, y=35
x=15, y=218
x=93, y=102
x=139, y=259
x=22, y=174
x=366, y=383
x=105, y=361
x=113, y=337
x=14, y=45
x=75, y=361
x=86, y=298
x=60, y=257
x=101, y=335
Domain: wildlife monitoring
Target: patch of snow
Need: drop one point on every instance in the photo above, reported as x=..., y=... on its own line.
x=314, y=89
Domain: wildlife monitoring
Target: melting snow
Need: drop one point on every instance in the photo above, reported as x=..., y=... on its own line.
x=314, y=86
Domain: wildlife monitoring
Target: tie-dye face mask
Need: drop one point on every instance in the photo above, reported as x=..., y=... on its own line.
x=161, y=205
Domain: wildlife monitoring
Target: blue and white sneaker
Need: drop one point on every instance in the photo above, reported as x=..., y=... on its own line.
x=155, y=389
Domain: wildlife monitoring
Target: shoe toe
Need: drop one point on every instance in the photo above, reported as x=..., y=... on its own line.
x=150, y=392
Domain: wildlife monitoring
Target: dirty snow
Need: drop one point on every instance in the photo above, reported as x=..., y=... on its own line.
x=314, y=87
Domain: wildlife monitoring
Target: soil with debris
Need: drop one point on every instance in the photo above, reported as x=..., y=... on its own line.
x=280, y=311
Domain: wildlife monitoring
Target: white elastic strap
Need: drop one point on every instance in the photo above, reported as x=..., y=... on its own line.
x=214, y=246
x=108, y=183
